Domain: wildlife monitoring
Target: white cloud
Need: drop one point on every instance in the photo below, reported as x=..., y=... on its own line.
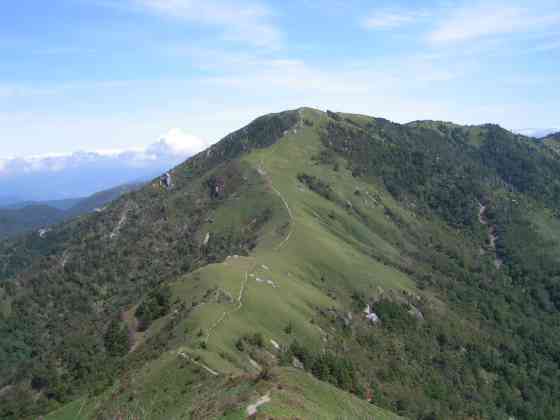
x=116, y=152
x=245, y=21
x=175, y=146
x=177, y=142
x=537, y=132
x=485, y=20
x=390, y=19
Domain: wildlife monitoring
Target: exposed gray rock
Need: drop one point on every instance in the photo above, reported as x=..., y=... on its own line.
x=370, y=315
x=297, y=363
x=415, y=312
x=166, y=181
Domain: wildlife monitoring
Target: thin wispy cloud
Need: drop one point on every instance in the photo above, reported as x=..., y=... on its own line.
x=243, y=21
x=34, y=90
x=472, y=21
x=486, y=20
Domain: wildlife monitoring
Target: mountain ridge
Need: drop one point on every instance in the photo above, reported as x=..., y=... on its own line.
x=259, y=261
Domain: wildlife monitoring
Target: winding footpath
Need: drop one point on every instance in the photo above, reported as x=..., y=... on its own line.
x=222, y=318
x=202, y=365
x=264, y=174
x=252, y=409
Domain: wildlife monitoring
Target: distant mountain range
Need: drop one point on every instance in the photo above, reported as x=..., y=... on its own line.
x=23, y=217
x=552, y=137
x=80, y=174
x=57, y=204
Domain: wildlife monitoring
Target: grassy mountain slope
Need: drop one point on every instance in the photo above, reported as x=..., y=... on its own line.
x=264, y=255
x=248, y=305
x=292, y=394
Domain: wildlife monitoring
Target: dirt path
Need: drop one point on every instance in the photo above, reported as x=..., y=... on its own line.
x=5, y=389
x=65, y=257
x=222, y=318
x=482, y=214
x=243, y=287
x=82, y=407
x=492, y=233
x=252, y=409
x=264, y=174
x=202, y=365
x=214, y=326
x=130, y=205
x=492, y=237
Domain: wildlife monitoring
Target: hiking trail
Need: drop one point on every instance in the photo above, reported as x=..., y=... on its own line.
x=264, y=174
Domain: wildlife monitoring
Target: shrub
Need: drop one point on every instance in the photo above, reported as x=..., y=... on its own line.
x=156, y=305
x=289, y=328
x=394, y=316
x=317, y=185
x=116, y=339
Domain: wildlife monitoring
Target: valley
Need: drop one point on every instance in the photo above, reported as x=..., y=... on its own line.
x=24, y=217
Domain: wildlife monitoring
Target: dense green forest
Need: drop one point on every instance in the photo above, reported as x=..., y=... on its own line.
x=17, y=221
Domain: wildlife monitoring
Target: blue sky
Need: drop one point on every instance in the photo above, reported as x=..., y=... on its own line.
x=119, y=74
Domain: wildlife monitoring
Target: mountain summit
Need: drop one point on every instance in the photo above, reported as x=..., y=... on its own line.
x=309, y=265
